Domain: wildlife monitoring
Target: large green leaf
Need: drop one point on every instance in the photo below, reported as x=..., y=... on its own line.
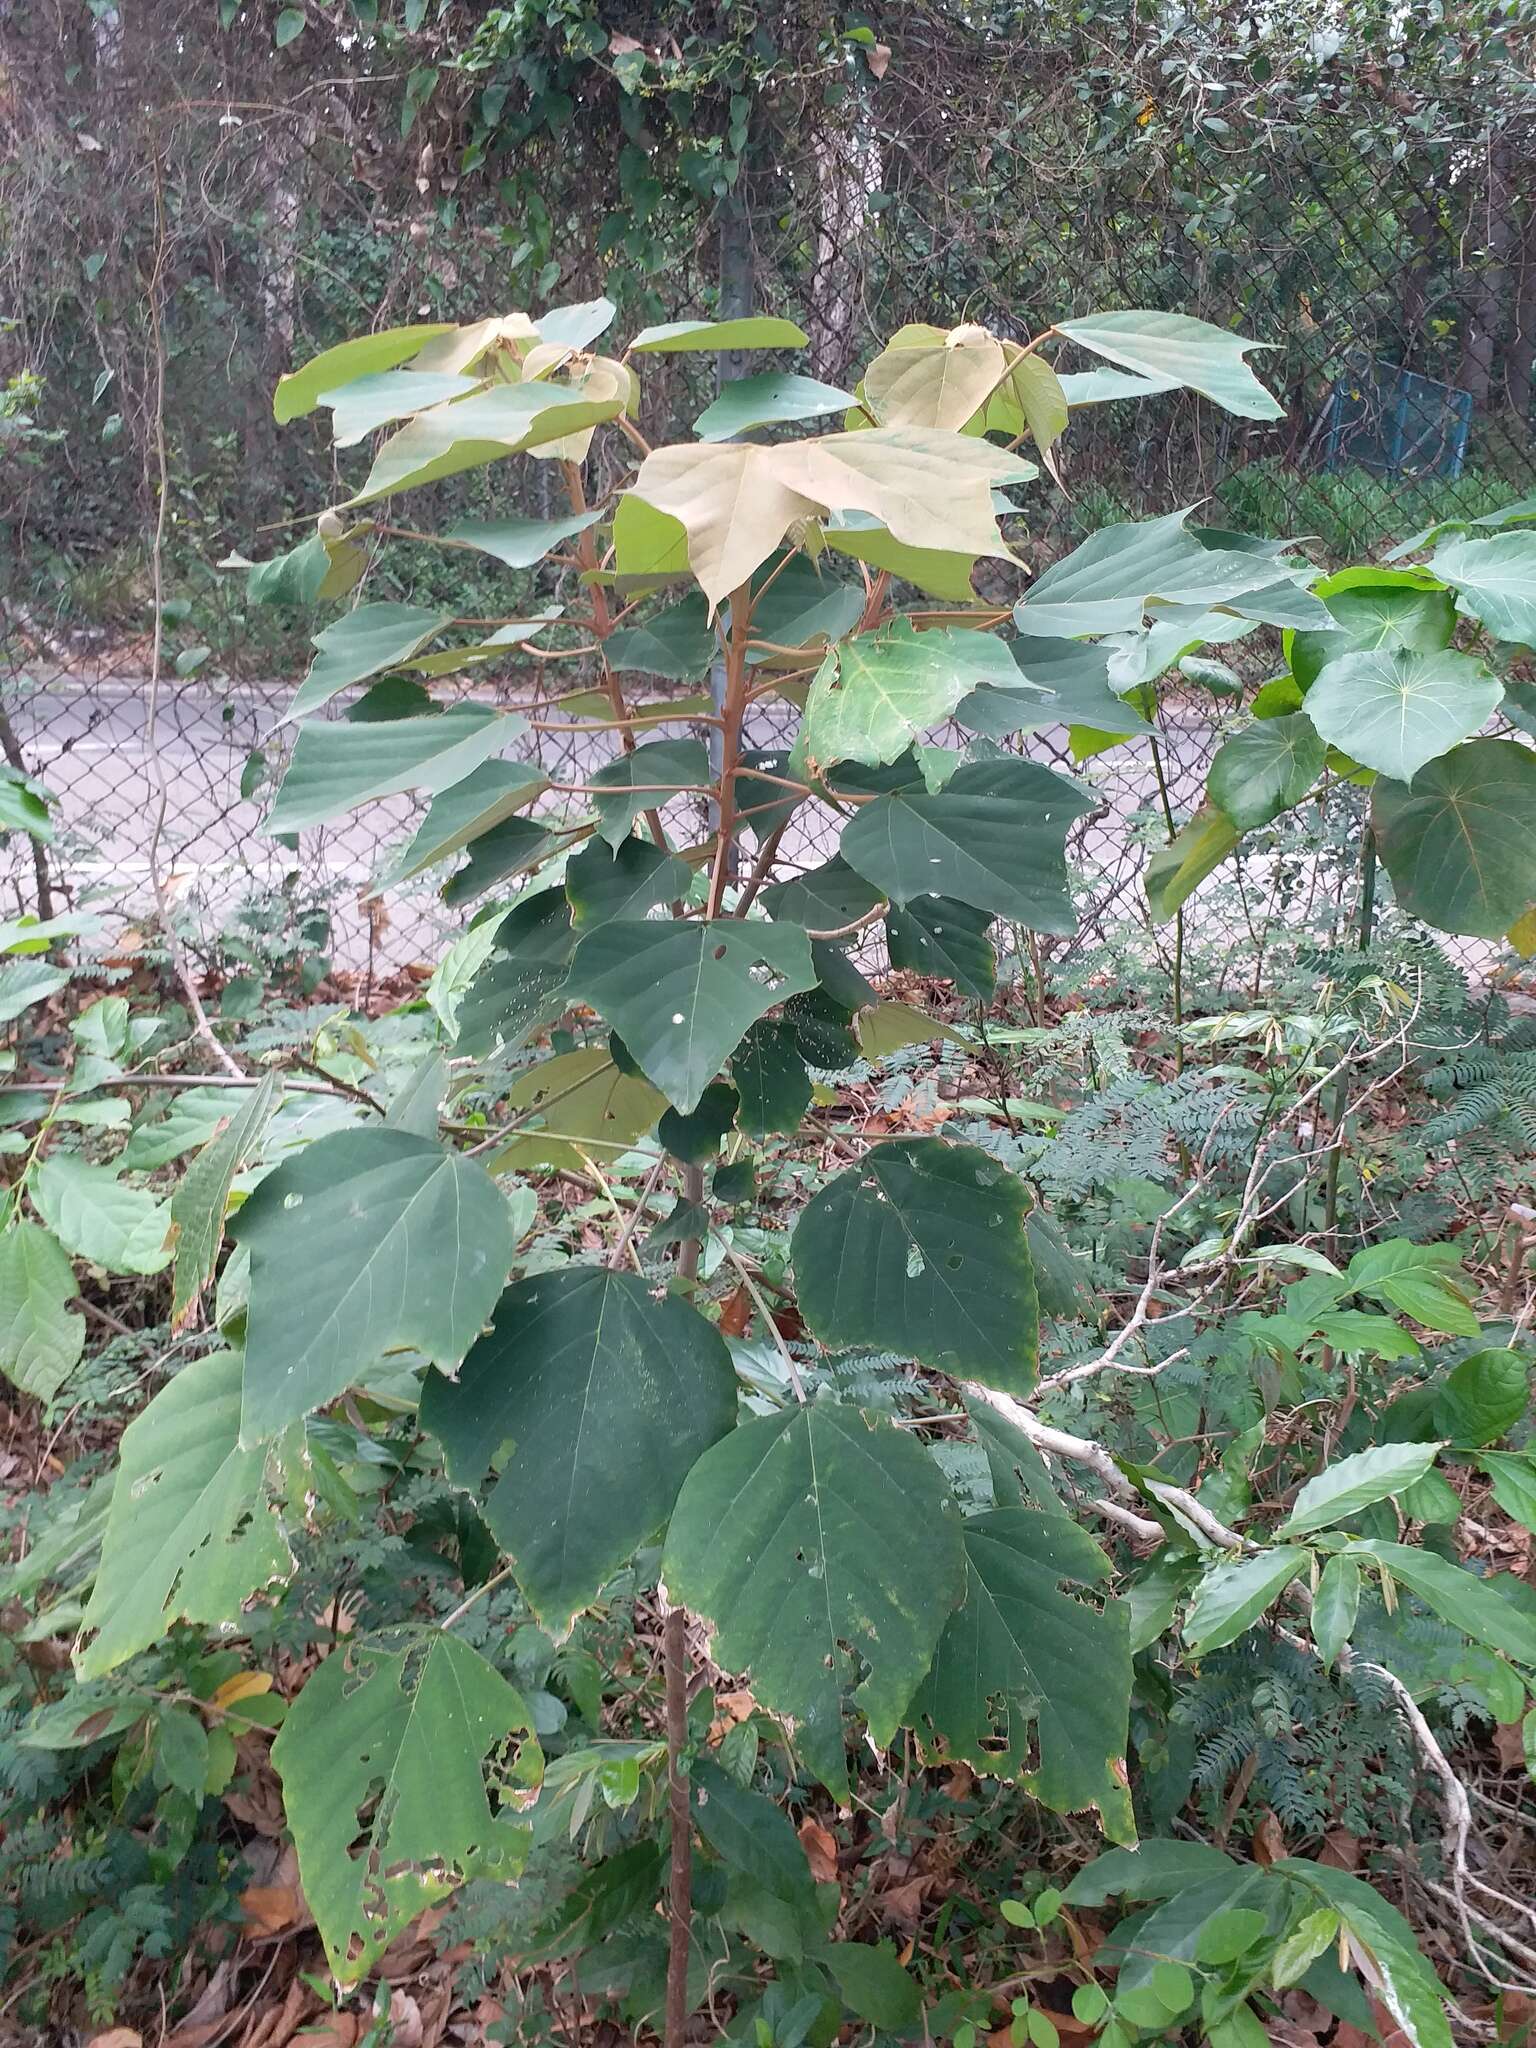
x=190, y=1535
x=872, y=696
x=936, y=935
x=513, y=970
x=1021, y=1653
x=921, y=1249
x=1483, y=1397
x=770, y=396
x=1460, y=1597
x=809, y=1534
x=1374, y=608
x=198, y=1205
x=1235, y=1592
x=1265, y=769
x=519, y=543
x=1460, y=845
x=577, y=1103
x=360, y=644
x=40, y=1340
x=634, y=779
x=1424, y=1281
x=603, y=1396
x=1176, y=870
x=1356, y=1482
x=1173, y=348
x=336, y=767
x=678, y=643
x=1394, y=709
x=675, y=337
x=804, y=606
x=628, y=881
x=407, y=1763
x=822, y=899
x=98, y=1217
x=365, y=1242
x=1384, y=1950
x=681, y=994
x=993, y=837
x=939, y=572
x=366, y=403
x=514, y=847
x=485, y=798
x=1495, y=581
x=299, y=392
x=772, y=1084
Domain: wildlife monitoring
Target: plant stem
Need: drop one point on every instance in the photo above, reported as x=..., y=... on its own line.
x=1338, y=1108
x=674, y=1653
x=732, y=710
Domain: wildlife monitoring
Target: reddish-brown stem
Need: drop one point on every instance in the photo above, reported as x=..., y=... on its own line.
x=674, y=1655
x=733, y=710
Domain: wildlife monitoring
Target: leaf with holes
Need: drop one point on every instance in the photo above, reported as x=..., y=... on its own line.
x=407, y=1764
x=1265, y=769
x=586, y=1389
x=922, y=1249
x=367, y=1241
x=1171, y=348
x=40, y=1340
x=1021, y=1653
x=1394, y=709
x=682, y=995
x=994, y=837
x=809, y=1534
x=190, y=1533
x=336, y=767
x=1460, y=845
x=873, y=695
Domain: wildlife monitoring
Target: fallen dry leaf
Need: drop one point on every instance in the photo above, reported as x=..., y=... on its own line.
x=736, y=1313
x=1509, y=1745
x=117, y=2037
x=269, y=1908
x=820, y=1851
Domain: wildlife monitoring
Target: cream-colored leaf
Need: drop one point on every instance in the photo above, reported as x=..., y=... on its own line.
x=932, y=489
x=936, y=386
x=463, y=346
x=729, y=501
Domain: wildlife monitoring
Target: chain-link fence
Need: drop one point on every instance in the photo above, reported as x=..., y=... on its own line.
x=1374, y=221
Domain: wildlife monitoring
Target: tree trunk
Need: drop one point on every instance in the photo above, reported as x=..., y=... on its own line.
x=1489, y=240
x=1520, y=354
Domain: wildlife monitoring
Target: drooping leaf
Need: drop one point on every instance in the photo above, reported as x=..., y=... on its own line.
x=1350, y=1484
x=922, y=1249
x=603, y=1398
x=1021, y=1653
x=733, y=506
x=1171, y=347
x=1424, y=1281
x=190, y=1535
x=1394, y=709
x=1235, y=1592
x=770, y=396
x=1460, y=845
x=771, y=1081
x=642, y=781
x=407, y=1762
x=1030, y=400
x=486, y=797
x=198, y=1205
x=583, y=1104
x=519, y=543
x=872, y=696
x=368, y=1240
x=1176, y=870
x=514, y=847
x=319, y=568
x=40, y=1339
x=99, y=1217
x=1483, y=1397
x=628, y=881
x=299, y=391
x=678, y=643
x=1265, y=769
x=1495, y=580
x=681, y=995
x=1334, y=1608
x=884, y=1028
x=822, y=899
x=811, y=1529
x=336, y=767
x=936, y=935
x=994, y=838
x=507, y=419
x=754, y=331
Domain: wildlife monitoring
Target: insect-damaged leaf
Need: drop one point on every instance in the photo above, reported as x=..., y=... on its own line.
x=802, y=1532
x=922, y=1249
x=1021, y=1651
x=407, y=1763
x=604, y=1396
